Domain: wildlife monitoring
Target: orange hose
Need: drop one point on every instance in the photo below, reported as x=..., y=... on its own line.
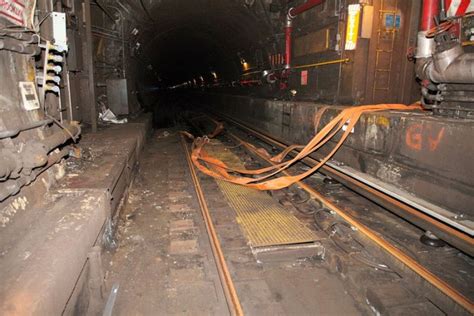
x=347, y=118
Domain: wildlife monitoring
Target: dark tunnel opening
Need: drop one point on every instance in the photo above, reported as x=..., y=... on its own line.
x=203, y=44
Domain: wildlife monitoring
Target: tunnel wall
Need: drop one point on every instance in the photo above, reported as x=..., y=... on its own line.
x=377, y=70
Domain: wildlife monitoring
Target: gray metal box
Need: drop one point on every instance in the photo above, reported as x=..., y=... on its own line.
x=117, y=95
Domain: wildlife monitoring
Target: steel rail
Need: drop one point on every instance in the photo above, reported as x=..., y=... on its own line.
x=451, y=235
x=411, y=263
x=233, y=302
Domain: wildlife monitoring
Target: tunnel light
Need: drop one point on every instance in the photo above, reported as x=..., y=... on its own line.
x=244, y=63
x=352, y=32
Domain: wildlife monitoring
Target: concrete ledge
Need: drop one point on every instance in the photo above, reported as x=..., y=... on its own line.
x=44, y=252
x=39, y=272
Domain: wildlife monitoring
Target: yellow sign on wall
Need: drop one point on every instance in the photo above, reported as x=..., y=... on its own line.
x=352, y=31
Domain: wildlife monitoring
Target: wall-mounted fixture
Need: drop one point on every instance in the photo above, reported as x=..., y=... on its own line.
x=352, y=31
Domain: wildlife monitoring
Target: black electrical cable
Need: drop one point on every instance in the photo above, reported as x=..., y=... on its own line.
x=65, y=129
x=146, y=11
x=358, y=254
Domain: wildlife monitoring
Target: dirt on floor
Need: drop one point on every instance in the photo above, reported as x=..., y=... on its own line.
x=163, y=264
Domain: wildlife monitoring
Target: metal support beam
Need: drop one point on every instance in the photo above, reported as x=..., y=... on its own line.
x=90, y=64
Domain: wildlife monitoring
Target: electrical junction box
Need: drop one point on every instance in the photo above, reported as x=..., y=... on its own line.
x=117, y=96
x=29, y=96
x=392, y=21
x=59, y=29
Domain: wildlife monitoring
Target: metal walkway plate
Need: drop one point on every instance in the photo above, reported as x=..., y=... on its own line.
x=264, y=221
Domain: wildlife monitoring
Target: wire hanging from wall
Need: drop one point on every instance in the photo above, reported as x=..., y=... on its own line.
x=146, y=11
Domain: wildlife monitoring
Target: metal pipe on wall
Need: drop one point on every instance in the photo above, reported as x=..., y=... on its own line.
x=25, y=127
x=8, y=189
x=34, y=153
x=449, y=66
x=429, y=11
x=292, y=13
x=288, y=31
x=90, y=64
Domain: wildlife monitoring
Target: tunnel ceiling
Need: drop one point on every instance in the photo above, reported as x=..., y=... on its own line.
x=184, y=39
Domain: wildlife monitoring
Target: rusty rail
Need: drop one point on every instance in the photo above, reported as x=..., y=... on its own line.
x=228, y=287
x=411, y=263
x=451, y=235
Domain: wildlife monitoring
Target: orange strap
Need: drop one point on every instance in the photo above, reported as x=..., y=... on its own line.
x=347, y=118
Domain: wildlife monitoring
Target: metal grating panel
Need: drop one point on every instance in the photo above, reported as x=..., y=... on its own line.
x=264, y=221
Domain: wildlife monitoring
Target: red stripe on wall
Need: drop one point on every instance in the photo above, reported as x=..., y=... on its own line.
x=12, y=17
x=463, y=7
x=21, y=4
x=448, y=4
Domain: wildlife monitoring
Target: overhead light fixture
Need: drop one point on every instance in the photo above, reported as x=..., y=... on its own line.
x=245, y=64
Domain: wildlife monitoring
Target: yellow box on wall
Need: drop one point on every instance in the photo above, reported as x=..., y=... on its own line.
x=352, y=31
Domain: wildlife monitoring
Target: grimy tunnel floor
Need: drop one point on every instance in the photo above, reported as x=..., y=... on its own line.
x=164, y=263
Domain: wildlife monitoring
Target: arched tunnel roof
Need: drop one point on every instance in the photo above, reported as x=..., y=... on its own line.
x=184, y=39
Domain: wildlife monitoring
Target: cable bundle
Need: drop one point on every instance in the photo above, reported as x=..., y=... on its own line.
x=266, y=179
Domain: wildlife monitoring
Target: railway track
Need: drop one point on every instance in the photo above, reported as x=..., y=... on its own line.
x=442, y=230
x=397, y=256
x=233, y=302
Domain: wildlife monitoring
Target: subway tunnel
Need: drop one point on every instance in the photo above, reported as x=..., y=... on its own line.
x=236, y=157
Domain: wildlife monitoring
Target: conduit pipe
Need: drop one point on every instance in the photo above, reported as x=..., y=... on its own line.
x=429, y=11
x=292, y=13
x=25, y=127
x=12, y=187
x=35, y=153
x=446, y=63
